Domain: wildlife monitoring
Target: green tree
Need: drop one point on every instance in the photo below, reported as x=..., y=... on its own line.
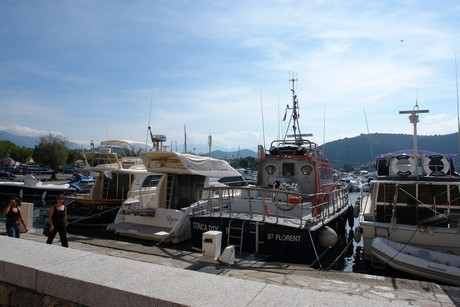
x=51, y=151
x=73, y=155
x=21, y=154
x=5, y=149
x=18, y=153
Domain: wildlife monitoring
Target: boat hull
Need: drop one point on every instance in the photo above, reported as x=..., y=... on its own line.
x=438, y=238
x=41, y=192
x=159, y=225
x=273, y=242
x=442, y=267
x=91, y=214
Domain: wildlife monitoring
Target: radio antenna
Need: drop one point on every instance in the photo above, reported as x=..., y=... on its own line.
x=262, y=113
x=150, y=114
x=458, y=114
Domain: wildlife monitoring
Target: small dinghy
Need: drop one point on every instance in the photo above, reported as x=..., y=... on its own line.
x=439, y=266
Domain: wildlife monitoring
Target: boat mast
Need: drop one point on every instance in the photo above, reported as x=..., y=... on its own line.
x=413, y=118
x=294, y=116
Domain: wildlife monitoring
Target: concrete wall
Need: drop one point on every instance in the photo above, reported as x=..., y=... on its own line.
x=51, y=272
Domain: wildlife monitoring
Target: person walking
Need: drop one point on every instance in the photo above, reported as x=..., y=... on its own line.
x=58, y=222
x=14, y=217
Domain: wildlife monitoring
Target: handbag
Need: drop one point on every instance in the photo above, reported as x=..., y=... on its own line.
x=46, y=230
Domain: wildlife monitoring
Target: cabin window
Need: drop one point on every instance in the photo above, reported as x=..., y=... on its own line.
x=454, y=195
x=288, y=169
x=270, y=169
x=151, y=181
x=306, y=169
x=406, y=193
x=236, y=181
x=433, y=194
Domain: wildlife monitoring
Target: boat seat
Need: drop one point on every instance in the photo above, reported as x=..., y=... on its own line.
x=425, y=255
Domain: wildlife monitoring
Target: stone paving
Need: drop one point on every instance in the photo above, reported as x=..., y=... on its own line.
x=378, y=288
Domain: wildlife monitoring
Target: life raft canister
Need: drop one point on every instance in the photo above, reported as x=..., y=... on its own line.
x=403, y=165
x=436, y=165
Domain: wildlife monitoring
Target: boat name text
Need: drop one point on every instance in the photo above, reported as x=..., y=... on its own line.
x=204, y=227
x=171, y=219
x=279, y=237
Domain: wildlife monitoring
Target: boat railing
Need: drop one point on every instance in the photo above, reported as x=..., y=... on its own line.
x=262, y=204
x=328, y=204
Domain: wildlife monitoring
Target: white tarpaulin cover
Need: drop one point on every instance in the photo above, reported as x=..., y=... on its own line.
x=173, y=162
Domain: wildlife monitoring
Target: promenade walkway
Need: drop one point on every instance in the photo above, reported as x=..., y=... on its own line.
x=246, y=283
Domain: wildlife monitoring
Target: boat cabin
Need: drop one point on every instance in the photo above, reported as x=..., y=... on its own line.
x=416, y=190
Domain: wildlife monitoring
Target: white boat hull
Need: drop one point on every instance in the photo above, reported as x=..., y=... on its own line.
x=438, y=238
x=163, y=225
x=439, y=266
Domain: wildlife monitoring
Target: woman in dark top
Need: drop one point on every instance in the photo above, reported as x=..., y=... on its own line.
x=58, y=222
x=14, y=218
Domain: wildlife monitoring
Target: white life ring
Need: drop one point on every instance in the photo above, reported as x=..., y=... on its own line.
x=403, y=165
x=434, y=162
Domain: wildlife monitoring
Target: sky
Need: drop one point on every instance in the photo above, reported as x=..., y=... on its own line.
x=108, y=69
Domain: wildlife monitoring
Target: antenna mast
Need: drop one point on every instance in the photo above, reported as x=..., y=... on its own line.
x=413, y=118
x=262, y=112
x=294, y=116
x=150, y=114
x=369, y=136
x=185, y=139
x=458, y=115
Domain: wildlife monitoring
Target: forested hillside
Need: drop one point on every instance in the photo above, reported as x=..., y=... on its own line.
x=361, y=150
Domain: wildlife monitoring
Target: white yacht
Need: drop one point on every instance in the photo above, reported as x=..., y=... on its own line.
x=159, y=210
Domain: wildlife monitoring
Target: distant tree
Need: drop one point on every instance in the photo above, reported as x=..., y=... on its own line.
x=21, y=154
x=5, y=149
x=10, y=150
x=73, y=156
x=347, y=167
x=51, y=151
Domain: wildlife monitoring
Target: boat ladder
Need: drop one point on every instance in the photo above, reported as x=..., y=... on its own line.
x=106, y=188
x=169, y=191
x=235, y=235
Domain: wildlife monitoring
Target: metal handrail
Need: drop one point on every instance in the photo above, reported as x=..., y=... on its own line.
x=320, y=211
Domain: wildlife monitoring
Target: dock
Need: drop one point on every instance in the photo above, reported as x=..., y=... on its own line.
x=132, y=273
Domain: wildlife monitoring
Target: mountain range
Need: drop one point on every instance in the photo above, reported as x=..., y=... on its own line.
x=355, y=151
